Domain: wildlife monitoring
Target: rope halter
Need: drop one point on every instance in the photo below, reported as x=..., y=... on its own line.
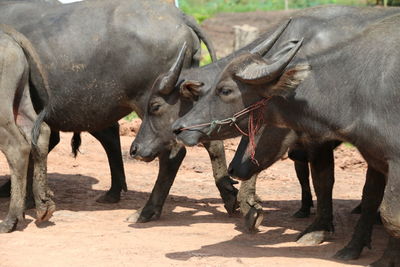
x=256, y=120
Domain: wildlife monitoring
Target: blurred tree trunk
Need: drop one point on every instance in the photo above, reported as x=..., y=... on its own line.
x=384, y=3
x=286, y=4
x=244, y=34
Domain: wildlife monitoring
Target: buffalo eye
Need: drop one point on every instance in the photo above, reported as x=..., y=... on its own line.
x=225, y=91
x=155, y=107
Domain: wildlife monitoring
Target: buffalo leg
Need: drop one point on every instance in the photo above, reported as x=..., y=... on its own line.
x=42, y=194
x=6, y=187
x=249, y=204
x=16, y=150
x=390, y=213
x=223, y=181
x=110, y=140
x=371, y=199
x=302, y=172
x=169, y=163
x=322, y=171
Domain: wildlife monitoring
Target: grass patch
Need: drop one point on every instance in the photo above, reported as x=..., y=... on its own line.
x=204, y=9
x=348, y=145
x=205, y=55
x=131, y=116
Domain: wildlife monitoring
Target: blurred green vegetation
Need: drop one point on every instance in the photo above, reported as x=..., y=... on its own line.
x=203, y=9
x=131, y=116
x=205, y=56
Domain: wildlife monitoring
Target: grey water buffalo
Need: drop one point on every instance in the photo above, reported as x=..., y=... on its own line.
x=165, y=105
x=348, y=92
x=320, y=156
x=24, y=8
x=102, y=71
x=19, y=61
x=272, y=143
x=324, y=26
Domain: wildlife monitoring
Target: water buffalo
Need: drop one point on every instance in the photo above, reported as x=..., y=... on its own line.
x=5, y=189
x=324, y=26
x=164, y=107
x=162, y=110
x=19, y=61
x=348, y=92
x=272, y=143
x=100, y=72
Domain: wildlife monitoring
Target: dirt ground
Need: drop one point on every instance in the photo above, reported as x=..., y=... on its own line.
x=194, y=229
x=220, y=27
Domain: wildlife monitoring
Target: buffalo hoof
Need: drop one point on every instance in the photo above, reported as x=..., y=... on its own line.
x=142, y=216
x=45, y=211
x=230, y=203
x=253, y=219
x=348, y=253
x=302, y=213
x=316, y=233
x=109, y=198
x=5, y=189
x=313, y=238
x=8, y=225
x=229, y=195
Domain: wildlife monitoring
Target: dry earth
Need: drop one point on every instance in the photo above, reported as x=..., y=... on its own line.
x=194, y=228
x=220, y=27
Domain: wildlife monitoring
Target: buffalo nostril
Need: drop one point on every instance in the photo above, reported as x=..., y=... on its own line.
x=133, y=150
x=177, y=130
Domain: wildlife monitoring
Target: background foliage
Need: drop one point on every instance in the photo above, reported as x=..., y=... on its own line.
x=203, y=9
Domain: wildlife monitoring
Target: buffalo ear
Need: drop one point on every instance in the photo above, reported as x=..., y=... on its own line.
x=190, y=89
x=261, y=72
x=290, y=79
x=284, y=49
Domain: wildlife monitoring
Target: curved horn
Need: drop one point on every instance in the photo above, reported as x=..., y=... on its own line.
x=263, y=47
x=261, y=72
x=168, y=81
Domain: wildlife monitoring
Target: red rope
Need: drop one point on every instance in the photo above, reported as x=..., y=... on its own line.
x=256, y=120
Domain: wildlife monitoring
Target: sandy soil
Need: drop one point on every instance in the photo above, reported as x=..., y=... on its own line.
x=194, y=228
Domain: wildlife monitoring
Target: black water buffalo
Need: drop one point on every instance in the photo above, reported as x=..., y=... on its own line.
x=324, y=27
x=348, y=92
x=271, y=143
x=19, y=61
x=102, y=57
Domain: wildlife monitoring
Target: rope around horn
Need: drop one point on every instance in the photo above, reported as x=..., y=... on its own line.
x=256, y=120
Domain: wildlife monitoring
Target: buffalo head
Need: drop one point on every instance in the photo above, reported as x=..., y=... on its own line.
x=162, y=109
x=245, y=80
